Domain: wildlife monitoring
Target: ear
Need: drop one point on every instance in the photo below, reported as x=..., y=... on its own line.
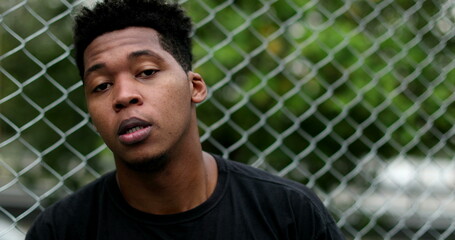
x=198, y=87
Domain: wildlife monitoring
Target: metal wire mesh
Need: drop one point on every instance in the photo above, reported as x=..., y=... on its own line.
x=353, y=98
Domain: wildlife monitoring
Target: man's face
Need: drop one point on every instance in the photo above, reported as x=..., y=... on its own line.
x=140, y=99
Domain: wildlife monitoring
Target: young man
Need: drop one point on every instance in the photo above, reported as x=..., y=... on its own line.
x=134, y=57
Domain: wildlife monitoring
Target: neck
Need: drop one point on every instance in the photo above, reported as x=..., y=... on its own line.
x=185, y=183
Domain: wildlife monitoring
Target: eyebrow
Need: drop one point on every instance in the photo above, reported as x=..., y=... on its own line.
x=132, y=56
x=146, y=53
x=94, y=68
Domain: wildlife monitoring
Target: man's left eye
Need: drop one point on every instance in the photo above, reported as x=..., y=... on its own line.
x=147, y=73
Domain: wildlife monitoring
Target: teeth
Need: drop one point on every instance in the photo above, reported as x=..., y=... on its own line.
x=134, y=129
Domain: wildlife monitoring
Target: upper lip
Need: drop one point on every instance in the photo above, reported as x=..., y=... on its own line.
x=127, y=124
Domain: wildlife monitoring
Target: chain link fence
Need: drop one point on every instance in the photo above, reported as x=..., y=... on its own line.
x=353, y=98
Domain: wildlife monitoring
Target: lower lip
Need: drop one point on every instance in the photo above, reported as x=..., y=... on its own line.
x=135, y=137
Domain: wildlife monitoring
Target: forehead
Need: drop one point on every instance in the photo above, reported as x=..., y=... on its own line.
x=123, y=41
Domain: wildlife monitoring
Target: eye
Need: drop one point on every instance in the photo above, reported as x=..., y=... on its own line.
x=147, y=73
x=102, y=87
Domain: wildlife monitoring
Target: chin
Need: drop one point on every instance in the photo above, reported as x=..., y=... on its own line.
x=152, y=164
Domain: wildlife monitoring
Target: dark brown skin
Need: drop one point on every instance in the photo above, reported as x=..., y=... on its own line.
x=131, y=80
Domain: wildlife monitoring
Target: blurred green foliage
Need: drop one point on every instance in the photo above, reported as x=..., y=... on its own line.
x=368, y=74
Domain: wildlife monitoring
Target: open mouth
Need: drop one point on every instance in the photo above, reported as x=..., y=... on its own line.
x=133, y=130
x=132, y=125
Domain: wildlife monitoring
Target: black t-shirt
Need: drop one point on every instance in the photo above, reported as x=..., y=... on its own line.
x=247, y=204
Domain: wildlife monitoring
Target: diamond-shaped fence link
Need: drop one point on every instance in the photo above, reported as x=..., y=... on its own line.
x=355, y=99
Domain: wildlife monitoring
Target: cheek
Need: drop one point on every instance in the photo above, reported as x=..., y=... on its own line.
x=172, y=106
x=94, y=114
x=178, y=103
x=99, y=118
x=179, y=110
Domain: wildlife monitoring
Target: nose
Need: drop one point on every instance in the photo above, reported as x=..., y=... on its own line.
x=126, y=94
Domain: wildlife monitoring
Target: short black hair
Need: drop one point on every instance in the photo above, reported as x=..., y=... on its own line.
x=168, y=19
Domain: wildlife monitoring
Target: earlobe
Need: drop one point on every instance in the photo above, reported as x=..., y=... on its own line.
x=199, y=88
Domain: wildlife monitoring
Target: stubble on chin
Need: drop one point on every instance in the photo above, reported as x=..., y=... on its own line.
x=155, y=164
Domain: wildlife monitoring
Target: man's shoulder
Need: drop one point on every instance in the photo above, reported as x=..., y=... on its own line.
x=82, y=198
x=259, y=176
x=265, y=183
x=70, y=213
x=282, y=199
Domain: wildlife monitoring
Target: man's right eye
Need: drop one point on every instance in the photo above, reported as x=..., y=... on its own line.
x=102, y=87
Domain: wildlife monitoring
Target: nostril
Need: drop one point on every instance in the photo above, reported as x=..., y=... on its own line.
x=118, y=106
x=124, y=103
